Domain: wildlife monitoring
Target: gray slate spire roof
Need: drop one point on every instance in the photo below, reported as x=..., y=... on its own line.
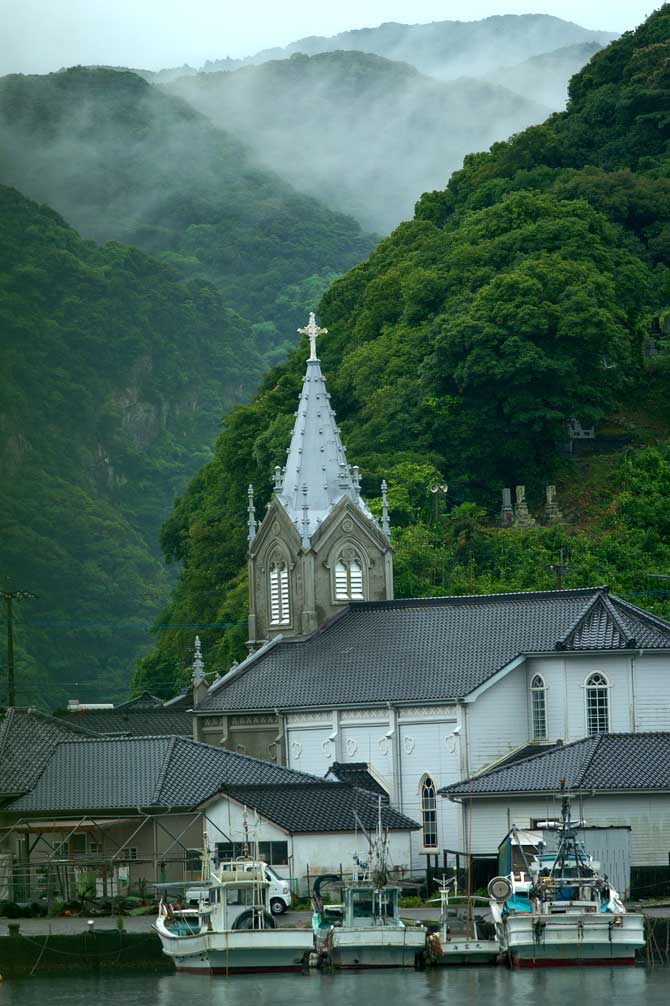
x=317, y=475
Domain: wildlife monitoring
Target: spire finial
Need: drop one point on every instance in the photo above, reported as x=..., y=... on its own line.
x=312, y=331
x=198, y=664
x=251, y=510
x=277, y=479
x=386, y=524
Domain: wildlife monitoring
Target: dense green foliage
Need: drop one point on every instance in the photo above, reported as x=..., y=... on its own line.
x=335, y=109
x=121, y=160
x=114, y=376
x=517, y=298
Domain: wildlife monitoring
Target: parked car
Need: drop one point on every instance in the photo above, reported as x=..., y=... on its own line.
x=280, y=892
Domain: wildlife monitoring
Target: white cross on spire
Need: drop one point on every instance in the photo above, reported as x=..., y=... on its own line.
x=312, y=331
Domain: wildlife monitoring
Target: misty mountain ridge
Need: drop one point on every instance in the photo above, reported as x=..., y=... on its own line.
x=443, y=49
x=370, y=133
x=547, y=76
x=122, y=160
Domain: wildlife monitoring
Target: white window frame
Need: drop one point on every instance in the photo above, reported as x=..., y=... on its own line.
x=279, y=592
x=428, y=777
x=589, y=689
x=341, y=563
x=535, y=691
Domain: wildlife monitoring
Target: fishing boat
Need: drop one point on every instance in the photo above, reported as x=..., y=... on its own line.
x=462, y=943
x=365, y=930
x=560, y=910
x=226, y=926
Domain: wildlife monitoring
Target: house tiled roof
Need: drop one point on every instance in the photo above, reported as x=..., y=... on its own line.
x=133, y=721
x=608, y=762
x=357, y=773
x=110, y=774
x=330, y=806
x=427, y=650
x=28, y=738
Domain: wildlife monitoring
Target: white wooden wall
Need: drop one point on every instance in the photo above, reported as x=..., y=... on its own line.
x=321, y=853
x=647, y=815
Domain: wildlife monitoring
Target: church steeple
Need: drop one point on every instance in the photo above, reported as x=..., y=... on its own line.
x=317, y=475
x=318, y=546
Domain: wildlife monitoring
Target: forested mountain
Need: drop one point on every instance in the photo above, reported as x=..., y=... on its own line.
x=121, y=160
x=517, y=298
x=547, y=76
x=444, y=49
x=114, y=378
x=363, y=133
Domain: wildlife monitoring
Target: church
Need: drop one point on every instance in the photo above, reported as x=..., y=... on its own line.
x=421, y=693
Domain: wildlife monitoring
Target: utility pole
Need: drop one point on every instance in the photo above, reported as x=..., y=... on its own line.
x=435, y=489
x=558, y=569
x=9, y=596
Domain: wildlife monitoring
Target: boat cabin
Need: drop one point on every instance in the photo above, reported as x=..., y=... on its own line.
x=371, y=906
x=233, y=899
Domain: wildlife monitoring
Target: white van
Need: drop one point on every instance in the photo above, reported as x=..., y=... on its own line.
x=280, y=892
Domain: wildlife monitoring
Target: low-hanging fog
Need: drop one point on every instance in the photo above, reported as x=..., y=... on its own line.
x=367, y=134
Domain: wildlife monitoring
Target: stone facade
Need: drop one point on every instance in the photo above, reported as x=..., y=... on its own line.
x=346, y=534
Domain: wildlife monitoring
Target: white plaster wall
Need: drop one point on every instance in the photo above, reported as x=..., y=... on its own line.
x=498, y=720
x=320, y=853
x=367, y=742
x=429, y=748
x=565, y=677
x=647, y=815
x=325, y=853
x=651, y=691
x=309, y=750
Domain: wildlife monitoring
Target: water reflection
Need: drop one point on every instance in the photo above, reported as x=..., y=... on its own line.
x=452, y=986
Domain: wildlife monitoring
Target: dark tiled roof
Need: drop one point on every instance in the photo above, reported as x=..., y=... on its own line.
x=330, y=806
x=133, y=721
x=428, y=650
x=107, y=774
x=527, y=751
x=610, y=762
x=357, y=773
x=27, y=740
x=145, y=700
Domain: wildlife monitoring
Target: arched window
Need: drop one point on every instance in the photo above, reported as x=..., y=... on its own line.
x=349, y=578
x=280, y=613
x=597, y=704
x=538, y=699
x=429, y=813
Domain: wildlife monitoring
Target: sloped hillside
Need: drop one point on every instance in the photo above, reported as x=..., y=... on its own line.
x=114, y=378
x=362, y=133
x=519, y=297
x=123, y=161
x=548, y=75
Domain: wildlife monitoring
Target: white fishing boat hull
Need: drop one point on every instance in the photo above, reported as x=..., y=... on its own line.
x=589, y=938
x=375, y=947
x=464, y=951
x=238, y=952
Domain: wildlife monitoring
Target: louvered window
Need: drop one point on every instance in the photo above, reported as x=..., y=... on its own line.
x=597, y=704
x=349, y=579
x=538, y=698
x=429, y=813
x=279, y=595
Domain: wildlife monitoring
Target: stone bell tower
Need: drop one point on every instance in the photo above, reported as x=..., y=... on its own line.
x=318, y=547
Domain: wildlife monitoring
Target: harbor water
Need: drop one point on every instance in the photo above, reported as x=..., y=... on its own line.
x=455, y=987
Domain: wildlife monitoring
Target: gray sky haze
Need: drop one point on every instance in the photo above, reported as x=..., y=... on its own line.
x=44, y=35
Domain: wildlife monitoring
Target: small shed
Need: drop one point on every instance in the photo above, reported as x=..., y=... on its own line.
x=608, y=846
